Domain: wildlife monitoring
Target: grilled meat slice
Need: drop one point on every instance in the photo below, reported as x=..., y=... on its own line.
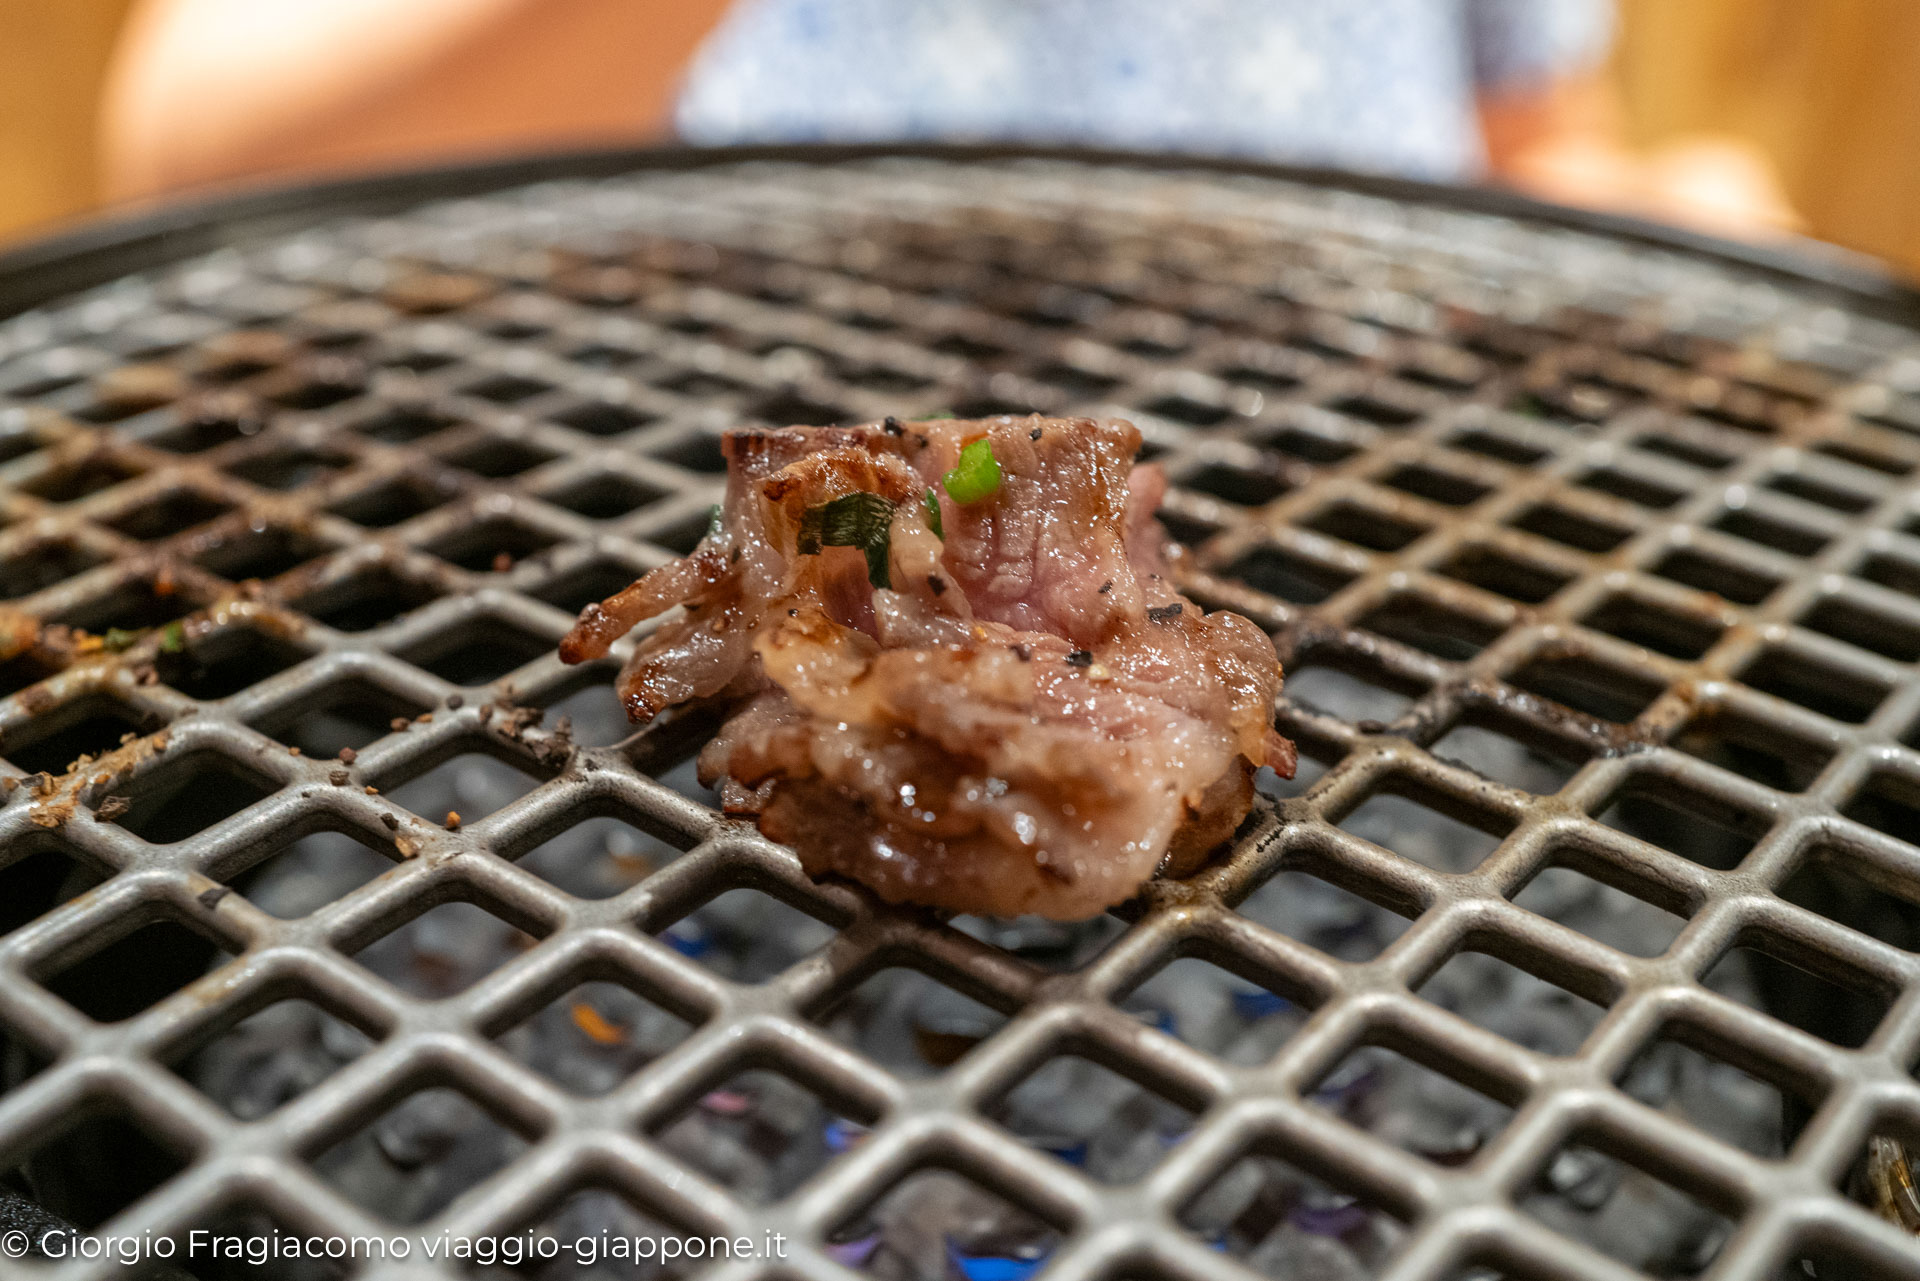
x=1000, y=705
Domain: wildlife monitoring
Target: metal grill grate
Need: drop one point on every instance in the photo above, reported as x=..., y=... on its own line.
x=1651, y=515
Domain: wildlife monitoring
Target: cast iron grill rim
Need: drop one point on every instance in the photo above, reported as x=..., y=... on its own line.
x=760, y=286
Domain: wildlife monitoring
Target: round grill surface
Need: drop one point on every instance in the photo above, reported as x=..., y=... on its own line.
x=1640, y=518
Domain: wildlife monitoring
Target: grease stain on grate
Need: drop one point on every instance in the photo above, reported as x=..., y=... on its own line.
x=90, y=725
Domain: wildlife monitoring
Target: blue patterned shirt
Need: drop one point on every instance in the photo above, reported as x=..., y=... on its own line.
x=1382, y=85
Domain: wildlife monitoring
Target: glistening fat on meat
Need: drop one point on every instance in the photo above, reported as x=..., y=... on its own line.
x=961, y=672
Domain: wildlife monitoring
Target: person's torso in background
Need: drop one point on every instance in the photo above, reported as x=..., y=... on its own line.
x=1384, y=85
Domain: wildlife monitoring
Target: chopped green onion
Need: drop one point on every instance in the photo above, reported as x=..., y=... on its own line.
x=860, y=520
x=933, y=514
x=977, y=476
x=934, y=418
x=173, y=638
x=118, y=639
x=713, y=520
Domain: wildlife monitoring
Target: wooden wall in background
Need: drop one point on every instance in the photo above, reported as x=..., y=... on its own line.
x=53, y=54
x=1829, y=89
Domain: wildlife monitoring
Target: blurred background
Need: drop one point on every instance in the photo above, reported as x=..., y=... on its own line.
x=1754, y=118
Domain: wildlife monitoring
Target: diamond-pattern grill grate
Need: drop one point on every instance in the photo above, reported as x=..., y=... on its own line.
x=1650, y=514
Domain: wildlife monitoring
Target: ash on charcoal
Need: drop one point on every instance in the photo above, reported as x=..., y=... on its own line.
x=1410, y=1105
x=1712, y=1094
x=760, y=1134
x=1420, y=832
x=273, y=1056
x=1504, y=760
x=309, y=874
x=910, y=1022
x=764, y=1136
x=1093, y=1118
x=1059, y=946
x=591, y=1212
x=1217, y=1011
x=939, y=1224
x=747, y=936
x=1506, y=999
x=412, y=1162
x=595, y=1036
x=1625, y=1212
x=473, y=783
x=598, y=718
x=1284, y=1223
x=1338, y=922
x=1340, y=694
x=1614, y=917
x=444, y=950
x=684, y=779
x=598, y=859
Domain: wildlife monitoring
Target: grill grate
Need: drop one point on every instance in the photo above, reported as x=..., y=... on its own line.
x=1650, y=514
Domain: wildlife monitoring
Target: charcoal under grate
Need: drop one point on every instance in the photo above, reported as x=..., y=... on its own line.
x=1584, y=939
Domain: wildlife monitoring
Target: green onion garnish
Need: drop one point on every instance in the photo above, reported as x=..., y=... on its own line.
x=933, y=514
x=713, y=520
x=173, y=638
x=977, y=476
x=852, y=520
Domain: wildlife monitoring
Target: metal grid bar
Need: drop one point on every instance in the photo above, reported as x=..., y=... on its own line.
x=1365, y=407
